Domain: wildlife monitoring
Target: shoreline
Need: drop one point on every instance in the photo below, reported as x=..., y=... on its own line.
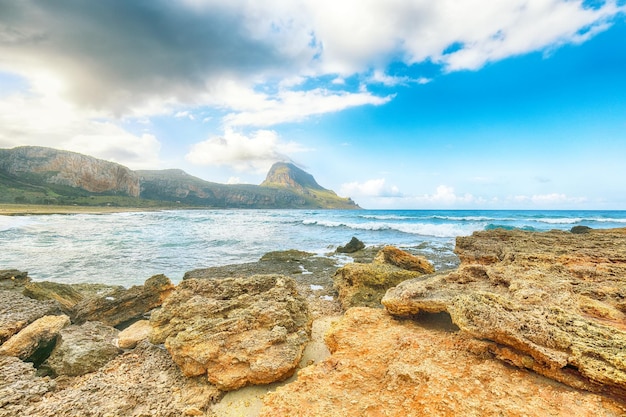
x=36, y=209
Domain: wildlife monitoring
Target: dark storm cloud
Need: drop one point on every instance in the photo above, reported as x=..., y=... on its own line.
x=118, y=52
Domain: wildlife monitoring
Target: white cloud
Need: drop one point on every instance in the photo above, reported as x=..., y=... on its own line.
x=392, y=81
x=360, y=34
x=295, y=106
x=370, y=188
x=184, y=115
x=260, y=63
x=49, y=121
x=446, y=196
x=256, y=152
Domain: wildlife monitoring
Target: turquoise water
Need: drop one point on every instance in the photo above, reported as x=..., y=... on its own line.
x=128, y=248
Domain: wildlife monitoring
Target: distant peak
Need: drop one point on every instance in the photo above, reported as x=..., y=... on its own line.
x=286, y=174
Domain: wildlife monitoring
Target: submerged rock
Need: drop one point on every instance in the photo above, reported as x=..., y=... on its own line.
x=381, y=366
x=353, y=246
x=365, y=285
x=237, y=331
x=123, y=305
x=82, y=349
x=552, y=302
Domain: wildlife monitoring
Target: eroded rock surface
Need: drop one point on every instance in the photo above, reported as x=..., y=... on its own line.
x=237, y=331
x=142, y=382
x=381, y=366
x=20, y=387
x=123, y=305
x=553, y=302
x=360, y=284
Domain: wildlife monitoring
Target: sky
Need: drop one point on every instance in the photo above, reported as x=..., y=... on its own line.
x=398, y=104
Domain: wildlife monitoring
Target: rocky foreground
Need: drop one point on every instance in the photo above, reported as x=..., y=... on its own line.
x=529, y=324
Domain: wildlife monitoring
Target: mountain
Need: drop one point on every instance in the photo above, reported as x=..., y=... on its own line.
x=287, y=176
x=40, y=175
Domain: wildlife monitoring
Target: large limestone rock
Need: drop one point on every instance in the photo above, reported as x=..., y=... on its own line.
x=133, y=334
x=140, y=383
x=381, y=366
x=17, y=312
x=552, y=302
x=35, y=341
x=82, y=349
x=123, y=305
x=360, y=284
x=237, y=331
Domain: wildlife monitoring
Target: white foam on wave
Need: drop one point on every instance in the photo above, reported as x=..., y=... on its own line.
x=14, y=222
x=421, y=229
x=559, y=220
x=606, y=220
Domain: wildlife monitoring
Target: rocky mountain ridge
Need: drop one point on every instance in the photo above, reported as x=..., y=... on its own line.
x=40, y=175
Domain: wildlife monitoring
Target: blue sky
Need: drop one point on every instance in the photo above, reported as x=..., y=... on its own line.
x=397, y=104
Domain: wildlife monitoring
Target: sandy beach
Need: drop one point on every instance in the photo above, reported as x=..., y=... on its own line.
x=33, y=209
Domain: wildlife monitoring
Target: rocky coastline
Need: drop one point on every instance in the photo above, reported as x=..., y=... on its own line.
x=529, y=324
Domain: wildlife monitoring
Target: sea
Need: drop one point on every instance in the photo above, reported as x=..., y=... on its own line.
x=127, y=248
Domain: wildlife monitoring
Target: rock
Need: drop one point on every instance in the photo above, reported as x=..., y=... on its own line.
x=17, y=312
x=140, y=383
x=551, y=302
x=13, y=274
x=291, y=255
x=353, y=246
x=366, y=284
x=312, y=273
x=82, y=349
x=12, y=278
x=133, y=334
x=381, y=366
x=237, y=331
x=123, y=305
x=64, y=294
x=35, y=342
x=20, y=387
x=404, y=260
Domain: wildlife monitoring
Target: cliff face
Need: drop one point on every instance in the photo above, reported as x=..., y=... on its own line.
x=51, y=166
